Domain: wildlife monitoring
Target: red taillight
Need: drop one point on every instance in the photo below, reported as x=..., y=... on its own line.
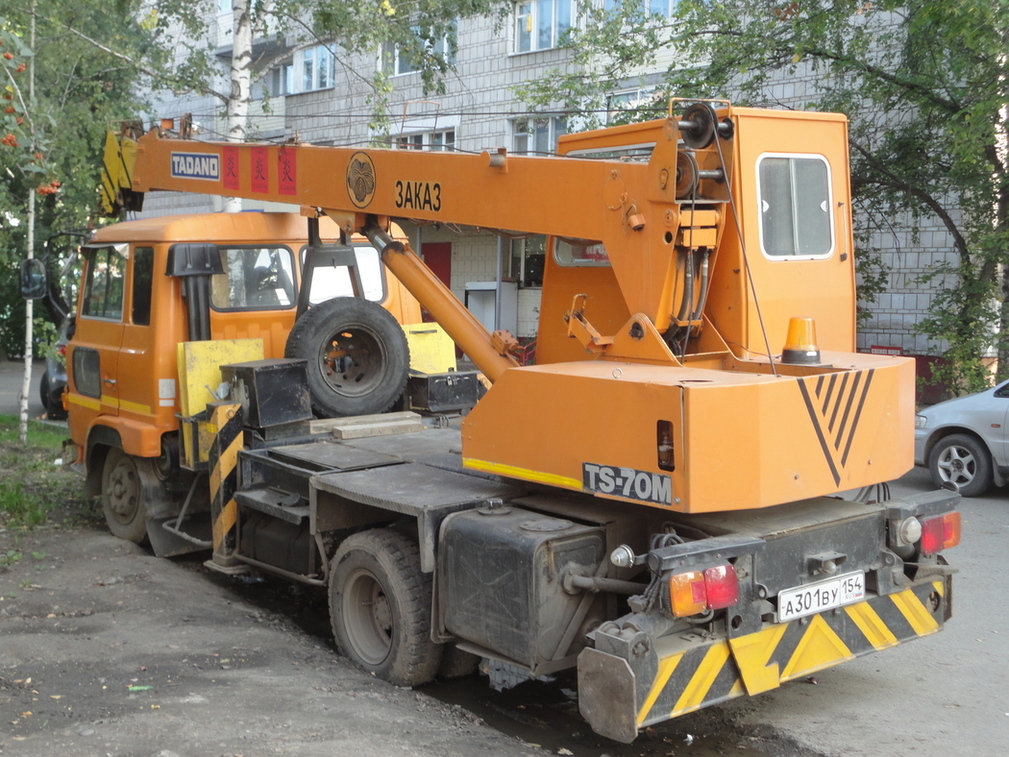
x=940, y=532
x=722, y=586
x=695, y=591
x=62, y=350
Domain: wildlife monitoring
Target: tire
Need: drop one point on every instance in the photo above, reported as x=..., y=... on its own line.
x=53, y=407
x=128, y=483
x=456, y=663
x=44, y=391
x=380, y=607
x=962, y=460
x=358, y=357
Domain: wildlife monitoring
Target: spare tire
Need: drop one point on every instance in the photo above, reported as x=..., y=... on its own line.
x=358, y=357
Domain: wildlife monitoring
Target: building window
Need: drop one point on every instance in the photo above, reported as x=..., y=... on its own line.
x=795, y=206
x=528, y=256
x=399, y=61
x=282, y=80
x=540, y=24
x=534, y=135
x=645, y=7
x=429, y=140
x=622, y=106
x=317, y=68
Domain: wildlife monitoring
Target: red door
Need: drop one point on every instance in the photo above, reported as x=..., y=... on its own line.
x=438, y=257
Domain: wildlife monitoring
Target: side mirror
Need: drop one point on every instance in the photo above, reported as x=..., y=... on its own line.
x=33, y=279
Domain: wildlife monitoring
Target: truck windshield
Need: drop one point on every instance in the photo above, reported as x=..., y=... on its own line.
x=254, y=278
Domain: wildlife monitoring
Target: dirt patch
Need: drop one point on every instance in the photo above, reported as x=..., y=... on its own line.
x=107, y=649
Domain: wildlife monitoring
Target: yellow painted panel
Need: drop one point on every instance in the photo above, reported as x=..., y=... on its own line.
x=200, y=368
x=820, y=648
x=431, y=348
x=753, y=657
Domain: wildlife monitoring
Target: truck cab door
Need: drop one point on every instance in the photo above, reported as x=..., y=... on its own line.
x=93, y=352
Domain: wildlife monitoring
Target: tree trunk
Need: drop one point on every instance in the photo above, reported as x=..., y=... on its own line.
x=241, y=84
x=26, y=382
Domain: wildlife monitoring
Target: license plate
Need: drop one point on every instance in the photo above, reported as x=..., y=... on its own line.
x=823, y=595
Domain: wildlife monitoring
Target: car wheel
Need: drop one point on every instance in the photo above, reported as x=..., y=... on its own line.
x=962, y=460
x=44, y=391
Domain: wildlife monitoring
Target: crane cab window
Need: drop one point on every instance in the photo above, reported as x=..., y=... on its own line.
x=254, y=278
x=328, y=283
x=105, y=284
x=795, y=206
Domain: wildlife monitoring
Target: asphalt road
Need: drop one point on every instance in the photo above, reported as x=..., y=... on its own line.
x=943, y=695
x=11, y=373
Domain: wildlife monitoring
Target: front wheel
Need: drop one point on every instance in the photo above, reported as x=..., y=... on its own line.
x=962, y=460
x=380, y=607
x=128, y=483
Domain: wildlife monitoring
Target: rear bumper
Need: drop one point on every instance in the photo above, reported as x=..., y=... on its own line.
x=655, y=680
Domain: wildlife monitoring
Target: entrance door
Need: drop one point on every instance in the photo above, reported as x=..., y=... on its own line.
x=438, y=257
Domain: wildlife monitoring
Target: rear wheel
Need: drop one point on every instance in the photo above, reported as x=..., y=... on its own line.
x=962, y=460
x=380, y=607
x=127, y=484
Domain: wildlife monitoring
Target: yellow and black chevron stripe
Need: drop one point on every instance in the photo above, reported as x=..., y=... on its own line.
x=835, y=406
x=708, y=672
x=225, y=426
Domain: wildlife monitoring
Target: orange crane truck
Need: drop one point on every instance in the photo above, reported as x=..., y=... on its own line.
x=659, y=502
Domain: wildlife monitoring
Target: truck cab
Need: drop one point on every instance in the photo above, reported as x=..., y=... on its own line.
x=123, y=389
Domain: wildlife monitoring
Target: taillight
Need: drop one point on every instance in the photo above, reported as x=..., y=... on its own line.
x=940, y=532
x=696, y=591
x=62, y=350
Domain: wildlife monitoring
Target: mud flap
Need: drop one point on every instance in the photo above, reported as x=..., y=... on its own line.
x=606, y=695
x=165, y=543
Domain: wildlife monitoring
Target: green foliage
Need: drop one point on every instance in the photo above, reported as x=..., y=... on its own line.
x=924, y=84
x=36, y=490
x=19, y=510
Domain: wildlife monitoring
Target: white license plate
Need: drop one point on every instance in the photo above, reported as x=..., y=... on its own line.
x=823, y=595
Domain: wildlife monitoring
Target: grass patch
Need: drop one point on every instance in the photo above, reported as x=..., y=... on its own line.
x=36, y=490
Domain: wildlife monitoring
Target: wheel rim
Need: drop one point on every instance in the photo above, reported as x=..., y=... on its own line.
x=352, y=361
x=124, y=492
x=957, y=465
x=367, y=617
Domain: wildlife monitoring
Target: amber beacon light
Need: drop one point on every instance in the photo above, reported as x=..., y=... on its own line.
x=800, y=345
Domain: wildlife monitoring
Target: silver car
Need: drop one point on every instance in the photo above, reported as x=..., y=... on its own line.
x=964, y=441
